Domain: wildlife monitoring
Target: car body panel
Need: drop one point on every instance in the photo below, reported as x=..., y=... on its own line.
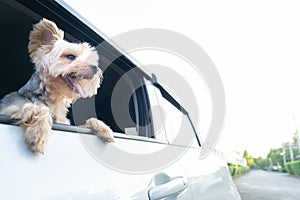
x=69, y=171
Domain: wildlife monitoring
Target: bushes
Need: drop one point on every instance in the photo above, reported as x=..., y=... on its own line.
x=293, y=167
x=282, y=170
x=236, y=170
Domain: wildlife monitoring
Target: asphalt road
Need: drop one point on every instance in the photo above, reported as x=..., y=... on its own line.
x=262, y=185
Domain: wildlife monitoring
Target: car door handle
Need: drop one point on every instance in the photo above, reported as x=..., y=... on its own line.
x=171, y=188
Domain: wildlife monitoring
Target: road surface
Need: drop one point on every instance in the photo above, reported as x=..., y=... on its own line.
x=262, y=185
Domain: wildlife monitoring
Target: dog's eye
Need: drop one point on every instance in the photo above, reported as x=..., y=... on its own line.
x=71, y=57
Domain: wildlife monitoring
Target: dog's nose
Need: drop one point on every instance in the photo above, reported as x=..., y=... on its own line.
x=94, y=68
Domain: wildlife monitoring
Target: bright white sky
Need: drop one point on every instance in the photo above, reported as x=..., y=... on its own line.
x=255, y=46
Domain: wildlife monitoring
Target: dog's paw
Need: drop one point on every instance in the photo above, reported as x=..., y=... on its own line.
x=36, y=140
x=106, y=135
x=101, y=130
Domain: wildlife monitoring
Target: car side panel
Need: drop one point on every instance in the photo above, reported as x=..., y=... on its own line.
x=68, y=170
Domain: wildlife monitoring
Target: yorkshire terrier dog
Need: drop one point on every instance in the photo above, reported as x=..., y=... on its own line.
x=64, y=72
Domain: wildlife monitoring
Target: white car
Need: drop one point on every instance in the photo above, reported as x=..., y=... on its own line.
x=145, y=162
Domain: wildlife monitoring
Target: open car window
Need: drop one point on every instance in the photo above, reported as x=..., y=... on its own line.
x=18, y=17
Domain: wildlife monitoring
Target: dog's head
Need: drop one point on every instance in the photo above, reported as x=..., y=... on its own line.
x=64, y=66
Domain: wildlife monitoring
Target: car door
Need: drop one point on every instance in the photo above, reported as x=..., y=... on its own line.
x=206, y=178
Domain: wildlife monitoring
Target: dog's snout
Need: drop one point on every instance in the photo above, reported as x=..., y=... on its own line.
x=94, y=68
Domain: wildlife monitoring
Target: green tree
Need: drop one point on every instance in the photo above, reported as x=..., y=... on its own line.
x=295, y=149
x=245, y=153
x=249, y=158
x=296, y=138
x=276, y=156
x=261, y=163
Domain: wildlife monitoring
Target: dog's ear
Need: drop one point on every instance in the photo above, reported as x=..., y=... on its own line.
x=44, y=34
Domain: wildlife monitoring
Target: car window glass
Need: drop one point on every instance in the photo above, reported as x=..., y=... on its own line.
x=156, y=113
x=176, y=124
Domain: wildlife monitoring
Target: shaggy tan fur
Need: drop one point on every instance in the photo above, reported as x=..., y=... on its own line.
x=64, y=72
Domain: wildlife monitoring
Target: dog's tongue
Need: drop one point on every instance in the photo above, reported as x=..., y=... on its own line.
x=81, y=91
